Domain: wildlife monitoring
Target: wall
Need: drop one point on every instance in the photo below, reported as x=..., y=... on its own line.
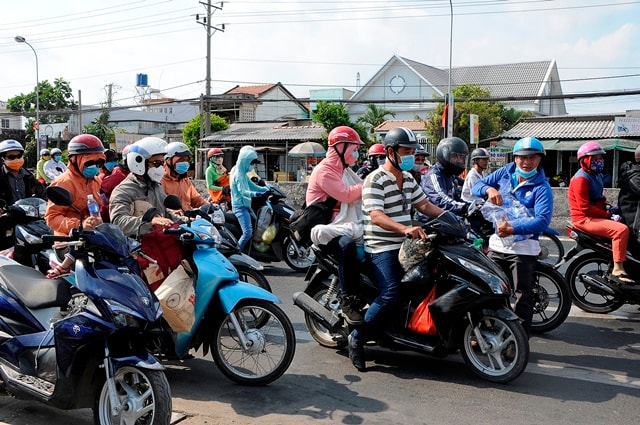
x=296, y=192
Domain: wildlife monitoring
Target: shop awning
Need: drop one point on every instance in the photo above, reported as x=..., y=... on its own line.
x=627, y=145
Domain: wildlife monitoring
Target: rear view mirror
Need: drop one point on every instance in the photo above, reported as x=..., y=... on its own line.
x=172, y=202
x=59, y=196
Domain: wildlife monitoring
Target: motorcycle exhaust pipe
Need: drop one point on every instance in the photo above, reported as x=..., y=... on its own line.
x=599, y=285
x=326, y=317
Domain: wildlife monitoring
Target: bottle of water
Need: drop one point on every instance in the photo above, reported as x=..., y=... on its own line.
x=92, y=205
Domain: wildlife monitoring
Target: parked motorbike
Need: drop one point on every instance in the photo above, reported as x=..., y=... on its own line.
x=85, y=348
x=471, y=310
x=279, y=245
x=587, y=274
x=551, y=294
x=251, y=339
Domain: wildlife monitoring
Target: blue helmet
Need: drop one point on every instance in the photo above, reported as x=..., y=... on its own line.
x=528, y=146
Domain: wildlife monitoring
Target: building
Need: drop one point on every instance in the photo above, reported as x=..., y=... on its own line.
x=267, y=102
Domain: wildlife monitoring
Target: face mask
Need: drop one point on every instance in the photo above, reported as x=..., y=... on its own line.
x=14, y=164
x=110, y=165
x=218, y=160
x=597, y=165
x=526, y=174
x=90, y=172
x=418, y=167
x=156, y=173
x=182, y=167
x=406, y=163
x=57, y=158
x=382, y=161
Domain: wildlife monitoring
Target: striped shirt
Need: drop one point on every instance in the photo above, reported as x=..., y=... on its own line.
x=380, y=192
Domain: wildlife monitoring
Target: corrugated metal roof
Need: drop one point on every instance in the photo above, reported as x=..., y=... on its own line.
x=565, y=127
x=266, y=132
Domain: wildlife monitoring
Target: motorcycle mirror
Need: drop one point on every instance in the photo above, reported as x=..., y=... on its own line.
x=59, y=196
x=172, y=202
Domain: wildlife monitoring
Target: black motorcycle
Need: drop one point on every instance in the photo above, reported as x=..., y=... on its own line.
x=587, y=274
x=471, y=310
x=279, y=244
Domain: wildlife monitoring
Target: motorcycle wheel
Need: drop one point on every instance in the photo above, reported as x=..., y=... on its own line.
x=551, y=249
x=508, y=352
x=595, y=265
x=299, y=258
x=144, y=394
x=254, y=277
x=319, y=332
x=551, y=299
x=271, y=346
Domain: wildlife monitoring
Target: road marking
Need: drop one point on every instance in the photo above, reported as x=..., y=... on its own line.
x=589, y=375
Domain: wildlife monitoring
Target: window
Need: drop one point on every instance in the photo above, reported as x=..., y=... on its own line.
x=4, y=123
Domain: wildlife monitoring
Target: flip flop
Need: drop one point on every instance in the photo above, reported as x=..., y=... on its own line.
x=621, y=279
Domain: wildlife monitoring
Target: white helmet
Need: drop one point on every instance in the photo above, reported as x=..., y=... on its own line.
x=142, y=150
x=10, y=145
x=177, y=148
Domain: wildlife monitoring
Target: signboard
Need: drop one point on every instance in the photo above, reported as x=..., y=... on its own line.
x=124, y=139
x=627, y=126
x=474, y=129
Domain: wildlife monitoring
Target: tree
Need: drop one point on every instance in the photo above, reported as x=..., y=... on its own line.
x=191, y=130
x=332, y=115
x=374, y=116
x=101, y=128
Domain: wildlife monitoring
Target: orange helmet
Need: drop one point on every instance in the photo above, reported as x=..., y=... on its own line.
x=214, y=152
x=344, y=134
x=376, y=149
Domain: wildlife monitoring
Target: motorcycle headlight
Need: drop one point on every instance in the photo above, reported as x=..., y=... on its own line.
x=124, y=317
x=497, y=285
x=208, y=233
x=22, y=234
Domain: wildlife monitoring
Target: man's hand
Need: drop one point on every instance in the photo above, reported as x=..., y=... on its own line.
x=91, y=222
x=504, y=229
x=415, y=232
x=494, y=196
x=161, y=221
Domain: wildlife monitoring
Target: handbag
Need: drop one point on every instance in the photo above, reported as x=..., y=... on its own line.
x=303, y=220
x=177, y=298
x=421, y=320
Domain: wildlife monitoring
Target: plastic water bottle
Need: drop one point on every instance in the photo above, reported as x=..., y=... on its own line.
x=92, y=205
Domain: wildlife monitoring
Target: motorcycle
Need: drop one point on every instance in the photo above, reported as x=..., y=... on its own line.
x=251, y=339
x=83, y=348
x=471, y=310
x=280, y=245
x=551, y=294
x=587, y=274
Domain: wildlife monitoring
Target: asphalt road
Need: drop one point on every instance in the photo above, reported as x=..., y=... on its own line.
x=587, y=371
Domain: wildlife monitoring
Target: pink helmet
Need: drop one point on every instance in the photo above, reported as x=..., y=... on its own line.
x=590, y=149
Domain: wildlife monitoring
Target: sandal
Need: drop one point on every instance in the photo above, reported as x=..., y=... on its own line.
x=57, y=272
x=621, y=279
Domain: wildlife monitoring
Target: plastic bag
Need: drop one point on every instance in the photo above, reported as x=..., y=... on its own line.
x=421, y=320
x=177, y=298
x=265, y=215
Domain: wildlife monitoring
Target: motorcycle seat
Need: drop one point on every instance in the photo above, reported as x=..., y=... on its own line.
x=33, y=289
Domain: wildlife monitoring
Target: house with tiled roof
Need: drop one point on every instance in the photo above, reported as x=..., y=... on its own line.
x=274, y=103
x=411, y=88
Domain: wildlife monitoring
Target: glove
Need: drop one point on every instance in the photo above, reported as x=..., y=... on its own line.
x=226, y=190
x=616, y=217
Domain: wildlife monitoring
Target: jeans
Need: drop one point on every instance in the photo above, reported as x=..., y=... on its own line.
x=387, y=273
x=521, y=270
x=245, y=216
x=344, y=249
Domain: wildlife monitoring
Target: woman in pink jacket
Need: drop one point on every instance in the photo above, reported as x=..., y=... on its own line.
x=334, y=178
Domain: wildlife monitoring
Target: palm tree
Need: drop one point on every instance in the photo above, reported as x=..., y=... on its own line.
x=374, y=116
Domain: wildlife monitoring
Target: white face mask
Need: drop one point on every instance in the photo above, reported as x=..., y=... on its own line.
x=156, y=173
x=218, y=160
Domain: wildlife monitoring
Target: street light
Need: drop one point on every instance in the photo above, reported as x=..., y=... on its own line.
x=21, y=39
x=450, y=99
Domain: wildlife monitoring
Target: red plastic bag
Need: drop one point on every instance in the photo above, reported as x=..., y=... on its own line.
x=421, y=320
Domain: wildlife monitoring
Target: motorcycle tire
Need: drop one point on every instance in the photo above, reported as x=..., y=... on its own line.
x=508, y=352
x=254, y=277
x=551, y=299
x=551, y=249
x=144, y=392
x=586, y=299
x=271, y=349
x=319, y=332
x=298, y=258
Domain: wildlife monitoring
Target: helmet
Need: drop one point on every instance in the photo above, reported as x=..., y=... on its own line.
x=480, y=153
x=214, y=152
x=177, y=148
x=449, y=146
x=142, y=150
x=110, y=155
x=400, y=136
x=376, y=149
x=10, y=145
x=344, y=134
x=528, y=146
x=45, y=152
x=590, y=149
x=125, y=150
x=84, y=143
x=421, y=150
x=56, y=151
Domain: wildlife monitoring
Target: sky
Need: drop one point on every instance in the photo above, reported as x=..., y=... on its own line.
x=309, y=45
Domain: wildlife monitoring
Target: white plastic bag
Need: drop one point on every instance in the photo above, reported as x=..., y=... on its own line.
x=177, y=297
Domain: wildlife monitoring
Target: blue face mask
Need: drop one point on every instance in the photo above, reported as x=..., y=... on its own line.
x=110, y=165
x=182, y=167
x=57, y=158
x=597, y=166
x=526, y=174
x=407, y=162
x=90, y=172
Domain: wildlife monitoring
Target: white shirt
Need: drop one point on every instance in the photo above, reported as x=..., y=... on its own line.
x=53, y=168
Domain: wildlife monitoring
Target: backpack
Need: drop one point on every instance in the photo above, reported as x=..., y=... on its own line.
x=303, y=220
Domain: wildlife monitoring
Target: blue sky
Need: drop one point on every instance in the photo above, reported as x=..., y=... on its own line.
x=313, y=44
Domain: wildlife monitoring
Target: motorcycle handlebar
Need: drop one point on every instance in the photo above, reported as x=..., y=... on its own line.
x=173, y=231
x=52, y=238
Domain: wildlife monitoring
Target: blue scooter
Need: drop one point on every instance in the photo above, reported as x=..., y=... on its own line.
x=83, y=347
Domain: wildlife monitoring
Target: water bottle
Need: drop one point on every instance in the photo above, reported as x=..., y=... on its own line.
x=92, y=205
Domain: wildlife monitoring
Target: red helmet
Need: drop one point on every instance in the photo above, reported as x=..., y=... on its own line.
x=376, y=149
x=85, y=143
x=214, y=152
x=344, y=134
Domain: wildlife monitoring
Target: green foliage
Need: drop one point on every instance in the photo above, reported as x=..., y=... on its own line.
x=374, y=116
x=332, y=115
x=191, y=130
x=101, y=128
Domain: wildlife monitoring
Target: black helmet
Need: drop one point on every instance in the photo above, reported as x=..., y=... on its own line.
x=400, y=136
x=480, y=153
x=448, y=147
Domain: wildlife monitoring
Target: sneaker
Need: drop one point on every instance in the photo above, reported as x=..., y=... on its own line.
x=356, y=354
x=351, y=313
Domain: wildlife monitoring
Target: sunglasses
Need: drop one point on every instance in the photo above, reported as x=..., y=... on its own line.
x=156, y=163
x=98, y=162
x=12, y=157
